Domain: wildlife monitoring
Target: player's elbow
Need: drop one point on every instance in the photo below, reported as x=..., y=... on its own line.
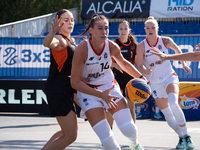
x=73, y=84
x=45, y=44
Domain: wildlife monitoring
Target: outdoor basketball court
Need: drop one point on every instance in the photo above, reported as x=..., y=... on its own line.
x=31, y=131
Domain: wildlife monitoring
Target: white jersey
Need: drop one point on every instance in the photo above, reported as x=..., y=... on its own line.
x=160, y=70
x=97, y=69
x=97, y=66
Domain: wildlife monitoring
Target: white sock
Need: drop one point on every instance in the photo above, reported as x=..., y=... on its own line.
x=138, y=109
x=157, y=109
x=169, y=117
x=184, y=130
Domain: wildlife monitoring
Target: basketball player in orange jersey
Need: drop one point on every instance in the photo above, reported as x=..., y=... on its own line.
x=58, y=88
x=164, y=82
x=92, y=59
x=190, y=56
x=127, y=44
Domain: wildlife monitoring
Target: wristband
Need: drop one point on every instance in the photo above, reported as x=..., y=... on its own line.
x=141, y=76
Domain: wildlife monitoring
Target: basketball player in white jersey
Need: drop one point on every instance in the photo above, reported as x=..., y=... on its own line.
x=163, y=80
x=92, y=59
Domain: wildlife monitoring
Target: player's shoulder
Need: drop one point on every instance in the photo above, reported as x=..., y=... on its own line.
x=141, y=44
x=167, y=40
x=82, y=48
x=112, y=44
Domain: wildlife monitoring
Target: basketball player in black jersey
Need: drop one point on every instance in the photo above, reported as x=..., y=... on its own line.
x=58, y=88
x=127, y=44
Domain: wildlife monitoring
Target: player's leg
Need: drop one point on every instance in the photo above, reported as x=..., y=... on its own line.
x=69, y=127
x=99, y=123
x=131, y=106
x=54, y=137
x=110, y=119
x=125, y=123
x=138, y=110
x=157, y=112
x=172, y=91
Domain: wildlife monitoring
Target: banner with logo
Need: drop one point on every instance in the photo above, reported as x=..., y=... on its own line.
x=115, y=9
x=189, y=98
x=24, y=58
x=174, y=8
x=27, y=58
x=23, y=96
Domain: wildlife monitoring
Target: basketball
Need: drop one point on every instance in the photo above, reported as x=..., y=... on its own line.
x=137, y=90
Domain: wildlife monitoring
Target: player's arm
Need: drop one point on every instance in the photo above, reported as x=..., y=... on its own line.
x=122, y=62
x=53, y=41
x=190, y=56
x=139, y=60
x=79, y=59
x=171, y=44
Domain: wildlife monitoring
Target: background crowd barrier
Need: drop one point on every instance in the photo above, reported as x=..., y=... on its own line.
x=24, y=66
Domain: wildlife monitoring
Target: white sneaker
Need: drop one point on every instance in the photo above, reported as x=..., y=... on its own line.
x=136, y=147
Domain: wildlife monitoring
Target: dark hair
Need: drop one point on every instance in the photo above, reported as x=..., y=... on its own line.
x=60, y=12
x=130, y=36
x=95, y=17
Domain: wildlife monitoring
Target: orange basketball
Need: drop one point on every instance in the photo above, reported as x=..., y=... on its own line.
x=137, y=90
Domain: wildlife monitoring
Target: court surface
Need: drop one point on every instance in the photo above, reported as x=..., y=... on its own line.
x=31, y=131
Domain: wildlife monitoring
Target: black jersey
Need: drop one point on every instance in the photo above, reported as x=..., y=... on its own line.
x=128, y=51
x=60, y=69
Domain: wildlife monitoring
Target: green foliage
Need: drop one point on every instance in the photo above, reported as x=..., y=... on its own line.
x=15, y=10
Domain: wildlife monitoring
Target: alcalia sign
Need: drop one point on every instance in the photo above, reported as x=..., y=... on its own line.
x=116, y=9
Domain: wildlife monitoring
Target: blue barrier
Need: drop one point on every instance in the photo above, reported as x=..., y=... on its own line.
x=27, y=58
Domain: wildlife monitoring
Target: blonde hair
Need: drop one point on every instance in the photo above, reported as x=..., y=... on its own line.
x=151, y=19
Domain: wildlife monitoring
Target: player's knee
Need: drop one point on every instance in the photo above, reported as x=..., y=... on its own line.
x=125, y=123
x=169, y=117
x=102, y=129
x=71, y=138
x=178, y=113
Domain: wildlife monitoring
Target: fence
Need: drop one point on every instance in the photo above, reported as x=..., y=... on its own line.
x=32, y=27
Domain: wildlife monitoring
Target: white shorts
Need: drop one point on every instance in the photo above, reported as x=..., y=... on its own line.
x=158, y=90
x=89, y=101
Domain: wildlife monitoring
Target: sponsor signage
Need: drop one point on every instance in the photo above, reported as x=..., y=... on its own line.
x=115, y=9
x=29, y=59
x=174, y=8
x=189, y=99
x=23, y=58
x=23, y=96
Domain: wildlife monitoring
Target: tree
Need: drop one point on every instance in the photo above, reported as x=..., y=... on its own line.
x=15, y=10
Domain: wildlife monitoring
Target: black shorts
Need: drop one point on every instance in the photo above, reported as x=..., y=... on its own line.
x=60, y=104
x=122, y=80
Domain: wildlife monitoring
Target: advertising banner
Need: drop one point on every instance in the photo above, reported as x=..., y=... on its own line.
x=27, y=58
x=23, y=58
x=23, y=96
x=189, y=98
x=174, y=8
x=115, y=9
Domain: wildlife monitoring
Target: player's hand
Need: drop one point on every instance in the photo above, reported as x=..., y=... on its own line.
x=149, y=71
x=57, y=24
x=156, y=51
x=109, y=98
x=187, y=69
x=148, y=82
x=197, y=47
